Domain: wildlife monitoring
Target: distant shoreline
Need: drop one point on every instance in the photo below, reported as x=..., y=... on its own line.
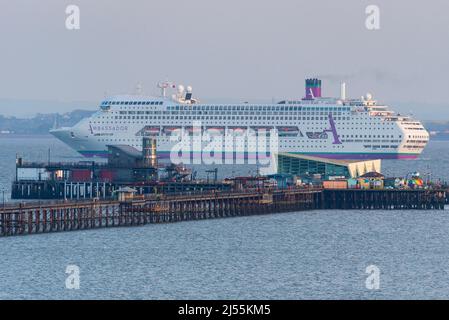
x=25, y=135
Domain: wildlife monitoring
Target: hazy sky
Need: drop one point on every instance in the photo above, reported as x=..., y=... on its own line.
x=229, y=49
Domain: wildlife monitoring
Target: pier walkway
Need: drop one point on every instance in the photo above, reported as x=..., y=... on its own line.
x=68, y=215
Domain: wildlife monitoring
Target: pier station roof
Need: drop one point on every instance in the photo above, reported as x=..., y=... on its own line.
x=305, y=165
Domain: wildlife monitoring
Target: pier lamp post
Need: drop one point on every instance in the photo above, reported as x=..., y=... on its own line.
x=3, y=213
x=39, y=193
x=3, y=205
x=3, y=199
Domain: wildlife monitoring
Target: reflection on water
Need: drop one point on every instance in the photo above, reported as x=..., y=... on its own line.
x=316, y=254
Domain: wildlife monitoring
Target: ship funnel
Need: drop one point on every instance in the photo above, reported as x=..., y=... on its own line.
x=149, y=152
x=343, y=91
x=313, y=88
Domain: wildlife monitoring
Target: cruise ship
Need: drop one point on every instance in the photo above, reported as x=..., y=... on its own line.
x=336, y=128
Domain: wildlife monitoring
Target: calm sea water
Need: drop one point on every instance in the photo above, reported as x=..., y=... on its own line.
x=316, y=254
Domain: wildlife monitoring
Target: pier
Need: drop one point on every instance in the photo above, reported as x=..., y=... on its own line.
x=58, y=216
x=70, y=215
x=384, y=199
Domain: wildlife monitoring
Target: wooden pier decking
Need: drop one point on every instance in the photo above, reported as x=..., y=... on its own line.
x=69, y=215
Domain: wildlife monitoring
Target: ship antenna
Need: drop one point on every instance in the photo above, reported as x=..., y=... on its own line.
x=163, y=85
x=139, y=88
x=55, y=122
x=343, y=91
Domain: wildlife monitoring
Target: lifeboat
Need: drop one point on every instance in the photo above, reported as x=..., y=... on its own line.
x=170, y=130
x=237, y=130
x=193, y=130
x=215, y=130
x=149, y=131
x=288, y=131
x=153, y=131
x=264, y=130
x=317, y=135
